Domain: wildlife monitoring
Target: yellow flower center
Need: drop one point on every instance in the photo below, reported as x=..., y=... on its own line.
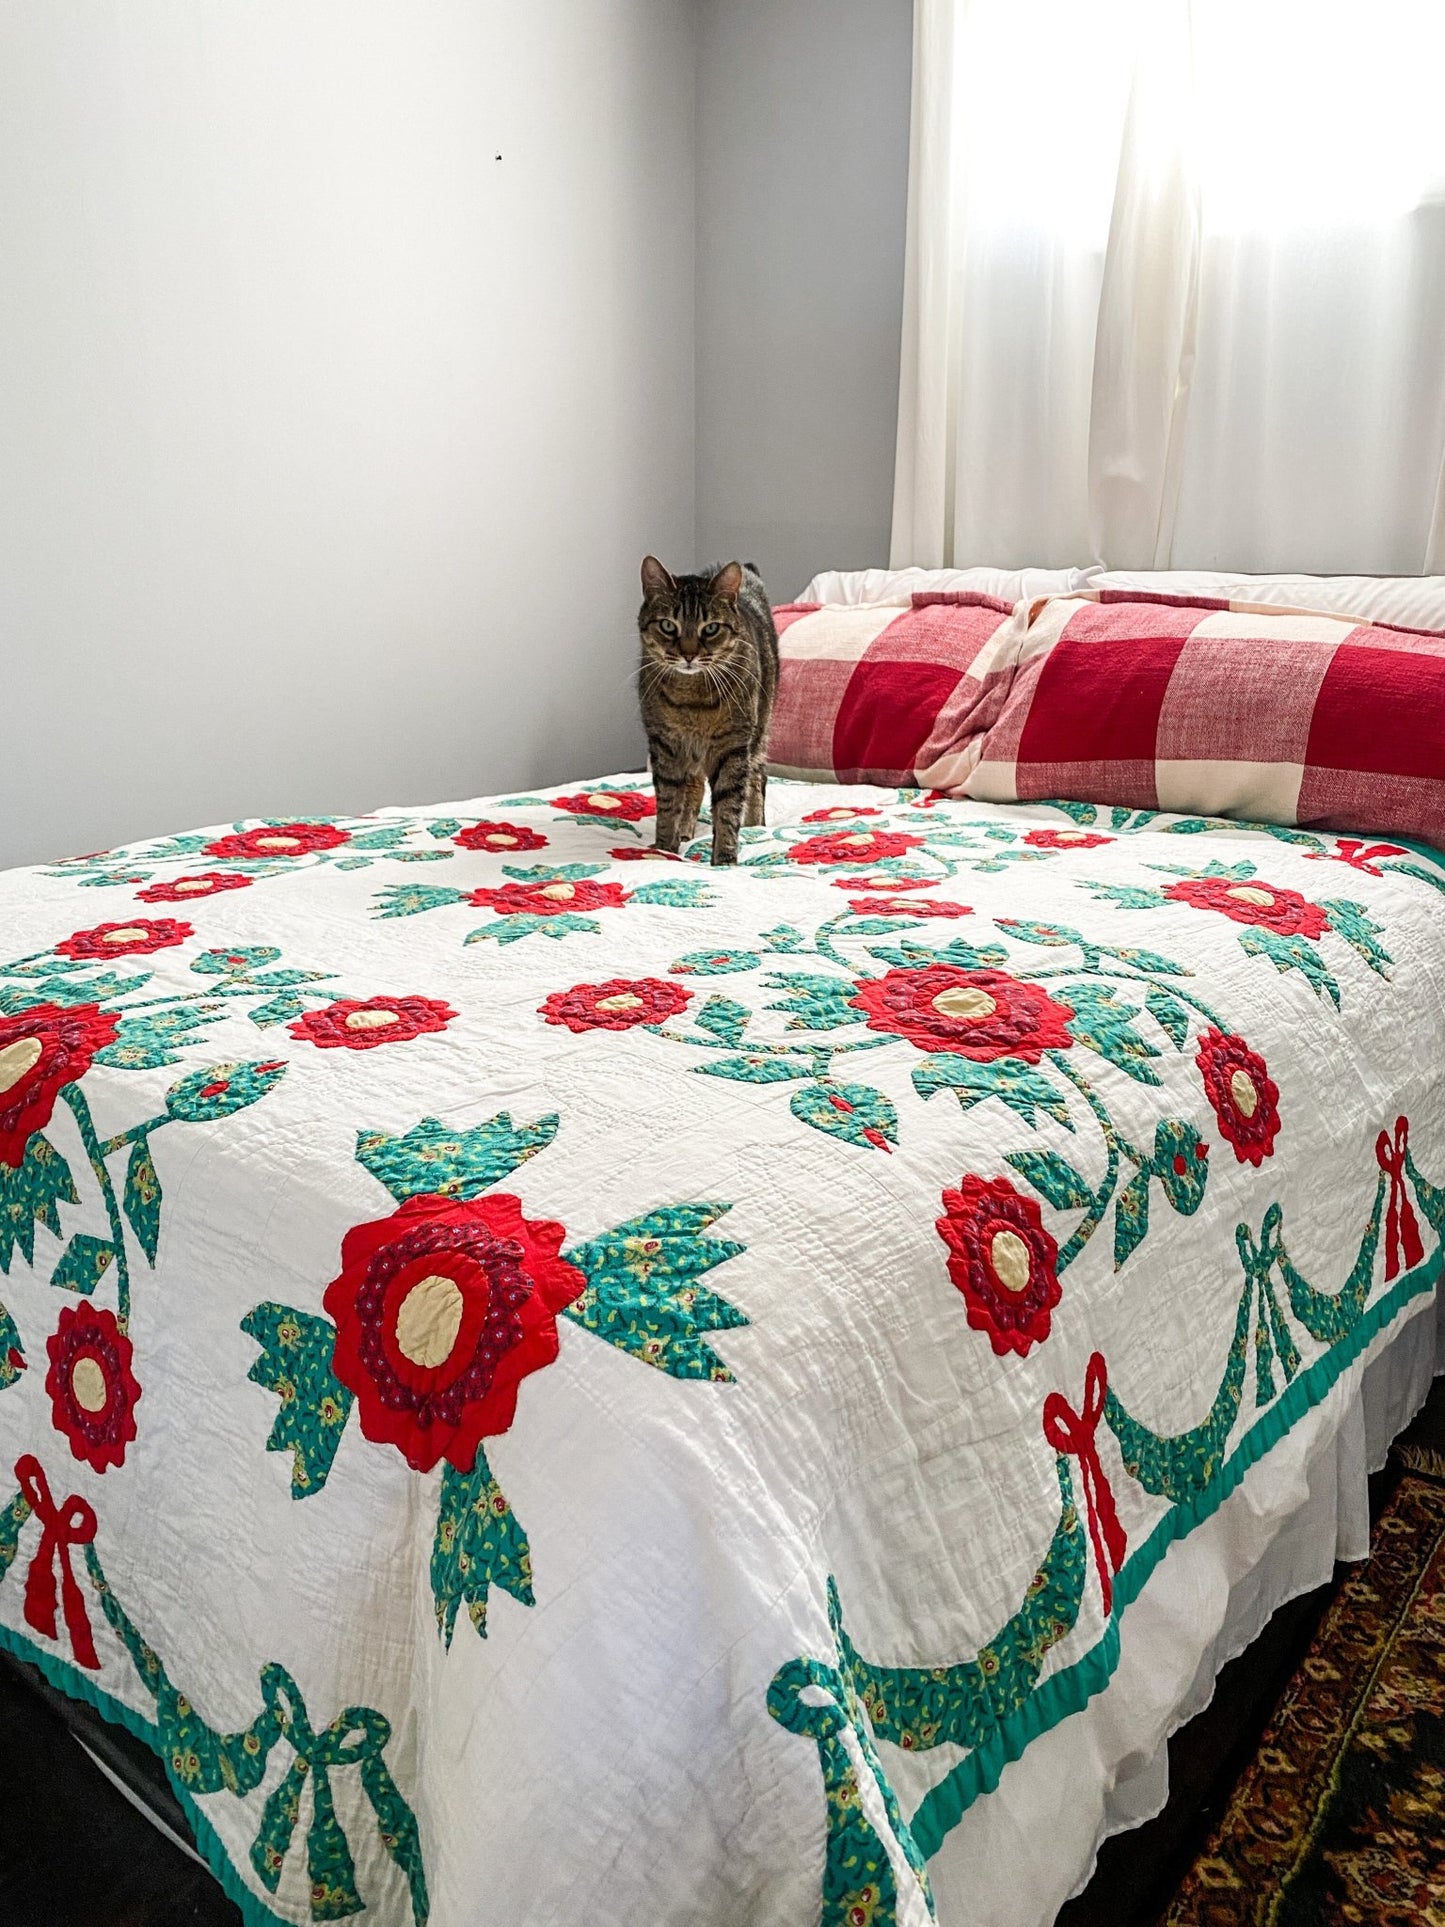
x=278, y=843
x=131, y=934
x=1247, y=893
x=428, y=1321
x=624, y=1000
x=1009, y=1256
x=370, y=1019
x=16, y=1060
x=1242, y=1090
x=859, y=839
x=560, y=892
x=602, y=801
x=498, y=837
x=189, y=885
x=966, y=1002
x=87, y=1382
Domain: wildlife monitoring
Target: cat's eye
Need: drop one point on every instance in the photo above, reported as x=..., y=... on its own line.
x=668, y=629
x=709, y=630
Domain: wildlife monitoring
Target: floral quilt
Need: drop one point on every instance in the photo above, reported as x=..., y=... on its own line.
x=553, y=1383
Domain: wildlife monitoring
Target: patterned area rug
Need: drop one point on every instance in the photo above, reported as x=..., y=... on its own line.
x=1339, y=1820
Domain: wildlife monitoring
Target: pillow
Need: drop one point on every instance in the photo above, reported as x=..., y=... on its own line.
x=1411, y=601
x=900, y=585
x=877, y=694
x=1262, y=714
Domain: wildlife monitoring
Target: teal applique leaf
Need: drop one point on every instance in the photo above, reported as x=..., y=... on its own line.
x=32, y=1195
x=284, y=979
x=1130, y=896
x=724, y=1018
x=1171, y=1016
x=141, y=1200
x=1009, y=1079
x=679, y=893
x=814, y=1002
x=1054, y=1177
x=714, y=963
x=1145, y=960
x=552, y=872
x=1359, y=930
x=348, y=862
x=386, y=838
x=295, y=1364
x=1181, y=1164
x=915, y=956
x=279, y=1010
x=479, y=1544
x=150, y=1042
x=1131, y=1216
x=65, y=990
x=436, y=1159
x=1107, y=1027
x=83, y=1263
x=445, y=827
x=420, y=856
x=756, y=1069
x=882, y=926
x=12, y=1355
x=1053, y=935
x=411, y=899
x=235, y=963
x=1292, y=953
x=513, y=929
x=854, y=1112
x=642, y=1292
x=1084, y=814
x=220, y=1090
x=784, y=938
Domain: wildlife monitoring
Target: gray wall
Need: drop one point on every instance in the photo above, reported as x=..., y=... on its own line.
x=802, y=195
x=328, y=439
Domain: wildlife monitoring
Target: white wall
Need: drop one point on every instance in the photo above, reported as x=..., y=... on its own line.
x=329, y=441
x=802, y=196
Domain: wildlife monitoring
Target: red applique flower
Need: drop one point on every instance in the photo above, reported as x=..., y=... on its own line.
x=1359, y=855
x=551, y=899
x=884, y=883
x=980, y=1014
x=441, y=1311
x=1244, y=1097
x=644, y=853
x=908, y=907
x=1002, y=1261
x=840, y=813
x=616, y=1005
x=1285, y=912
x=280, y=840
x=206, y=884
x=380, y=1020
x=631, y=805
x=853, y=846
x=41, y=1051
x=1065, y=840
x=135, y=939
x=93, y=1390
x=501, y=837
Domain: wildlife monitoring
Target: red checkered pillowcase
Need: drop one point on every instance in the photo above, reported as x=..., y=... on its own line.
x=1225, y=709
x=878, y=693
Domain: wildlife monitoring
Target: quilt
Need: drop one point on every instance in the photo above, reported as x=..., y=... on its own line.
x=550, y=1382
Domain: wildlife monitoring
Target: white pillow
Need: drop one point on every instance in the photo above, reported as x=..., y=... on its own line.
x=899, y=585
x=1409, y=601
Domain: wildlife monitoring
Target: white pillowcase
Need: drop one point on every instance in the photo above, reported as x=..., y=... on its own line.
x=1410, y=601
x=898, y=585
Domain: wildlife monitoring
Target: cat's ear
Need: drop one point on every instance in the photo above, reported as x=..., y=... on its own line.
x=655, y=579
x=727, y=582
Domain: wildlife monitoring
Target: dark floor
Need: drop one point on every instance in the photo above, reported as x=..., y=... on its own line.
x=74, y=1853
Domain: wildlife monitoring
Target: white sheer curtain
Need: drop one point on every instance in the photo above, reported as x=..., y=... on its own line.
x=1175, y=289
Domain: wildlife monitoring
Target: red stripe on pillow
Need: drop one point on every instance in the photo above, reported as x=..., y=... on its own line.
x=1099, y=705
x=1374, y=711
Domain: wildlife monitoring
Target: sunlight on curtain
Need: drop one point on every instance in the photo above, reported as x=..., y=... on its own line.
x=1175, y=285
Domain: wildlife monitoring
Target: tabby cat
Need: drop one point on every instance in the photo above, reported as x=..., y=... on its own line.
x=707, y=680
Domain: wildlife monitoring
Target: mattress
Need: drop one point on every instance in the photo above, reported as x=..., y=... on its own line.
x=554, y=1383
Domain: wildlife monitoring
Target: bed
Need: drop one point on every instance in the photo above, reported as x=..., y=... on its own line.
x=551, y=1382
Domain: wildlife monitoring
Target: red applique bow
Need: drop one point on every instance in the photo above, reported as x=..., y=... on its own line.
x=1073, y=1432
x=1401, y=1228
x=72, y=1524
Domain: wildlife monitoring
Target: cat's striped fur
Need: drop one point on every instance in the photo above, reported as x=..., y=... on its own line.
x=707, y=680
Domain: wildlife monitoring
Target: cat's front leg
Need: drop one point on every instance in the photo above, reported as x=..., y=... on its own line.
x=729, y=793
x=755, y=812
x=691, y=804
x=673, y=782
